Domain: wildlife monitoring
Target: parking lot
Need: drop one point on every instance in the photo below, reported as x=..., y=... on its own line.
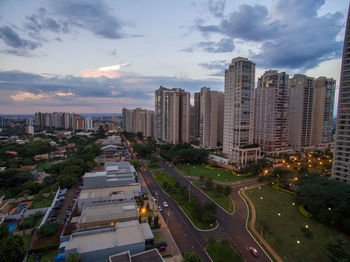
x=62, y=210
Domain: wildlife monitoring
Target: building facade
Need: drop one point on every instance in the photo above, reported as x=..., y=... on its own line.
x=341, y=156
x=172, y=115
x=239, y=112
x=271, y=112
x=301, y=111
x=323, y=110
x=210, y=120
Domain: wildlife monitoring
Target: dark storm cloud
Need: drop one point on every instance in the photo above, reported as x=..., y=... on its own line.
x=291, y=34
x=94, y=16
x=12, y=39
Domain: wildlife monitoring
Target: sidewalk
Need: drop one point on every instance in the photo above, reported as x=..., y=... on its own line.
x=252, y=226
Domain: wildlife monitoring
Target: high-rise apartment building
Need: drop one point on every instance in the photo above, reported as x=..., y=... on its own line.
x=271, y=112
x=210, y=120
x=301, y=107
x=172, y=115
x=60, y=120
x=323, y=110
x=127, y=119
x=197, y=108
x=89, y=123
x=138, y=120
x=239, y=112
x=341, y=156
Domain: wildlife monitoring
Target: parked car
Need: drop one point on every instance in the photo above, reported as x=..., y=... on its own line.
x=253, y=251
x=153, y=199
x=160, y=208
x=162, y=243
x=165, y=204
x=161, y=248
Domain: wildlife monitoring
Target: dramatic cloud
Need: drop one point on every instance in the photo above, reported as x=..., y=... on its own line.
x=21, y=96
x=13, y=40
x=112, y=71
x=291, y=35
x=91, y=15
x=80, y=94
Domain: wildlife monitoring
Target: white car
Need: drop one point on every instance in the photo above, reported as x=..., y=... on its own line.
x=165, y=204
x=160, y=208
x=153, y=199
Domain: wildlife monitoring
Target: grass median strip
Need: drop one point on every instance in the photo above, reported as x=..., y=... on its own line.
x=216, y=174
x=203, y=220
x=222, y=252
x=223, y=200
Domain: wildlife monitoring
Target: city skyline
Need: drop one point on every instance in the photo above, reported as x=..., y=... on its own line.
x=54, y=57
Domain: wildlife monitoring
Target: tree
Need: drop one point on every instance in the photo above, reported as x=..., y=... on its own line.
x=209, y=184
x=49, y=229
x=67, y=181
x=101, y=132
x=227, y=190
x=335, y=250
x=156, y=222
x=11, y=249
x=73, y=257
x=191, y=256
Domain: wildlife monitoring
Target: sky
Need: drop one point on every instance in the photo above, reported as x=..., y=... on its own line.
x=93, y=56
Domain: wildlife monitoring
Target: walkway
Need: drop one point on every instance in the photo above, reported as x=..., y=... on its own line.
x=252, y=226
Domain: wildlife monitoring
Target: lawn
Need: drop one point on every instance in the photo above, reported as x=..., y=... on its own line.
x=224, y=201
x=153, y=166
x=42, y=202
x=223, y=252
x=281, y=224
x=163, y=177
x=218, y=174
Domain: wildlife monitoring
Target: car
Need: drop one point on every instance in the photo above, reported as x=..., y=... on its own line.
x=162, y=243
x=153, y=199
x=253, y=251
x=165, y=204
x=161, y=248
x=160, y=208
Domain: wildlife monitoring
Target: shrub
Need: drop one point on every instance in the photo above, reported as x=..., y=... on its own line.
x=49, y=229
x=304, y=211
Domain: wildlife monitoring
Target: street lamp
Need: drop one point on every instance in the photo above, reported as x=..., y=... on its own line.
x=307, y=226
x=279, y=214
x=298, y=242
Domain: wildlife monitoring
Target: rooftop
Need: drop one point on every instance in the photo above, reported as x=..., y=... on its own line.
x=109, y=211
x=113, y=192
x=124, y=233
x=148, y=256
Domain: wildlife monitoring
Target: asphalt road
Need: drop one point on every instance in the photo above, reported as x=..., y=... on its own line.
x=230, y=226
x=185, y=235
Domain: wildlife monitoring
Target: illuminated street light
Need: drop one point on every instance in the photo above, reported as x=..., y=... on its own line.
x=143, y=210
x=320, y=163
x=293, y=204
x=283, y=161
x=330, y=160
x=261, y=198
x=307, y=226
x=310, y=166
x=298, y=242
x=288, y=166
x=266, y=171
x=329, y=209
x=279, y=214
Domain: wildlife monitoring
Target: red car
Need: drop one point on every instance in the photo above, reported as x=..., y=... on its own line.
x=161, y=248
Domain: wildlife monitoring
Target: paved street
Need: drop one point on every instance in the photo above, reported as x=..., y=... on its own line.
x=232, y=227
